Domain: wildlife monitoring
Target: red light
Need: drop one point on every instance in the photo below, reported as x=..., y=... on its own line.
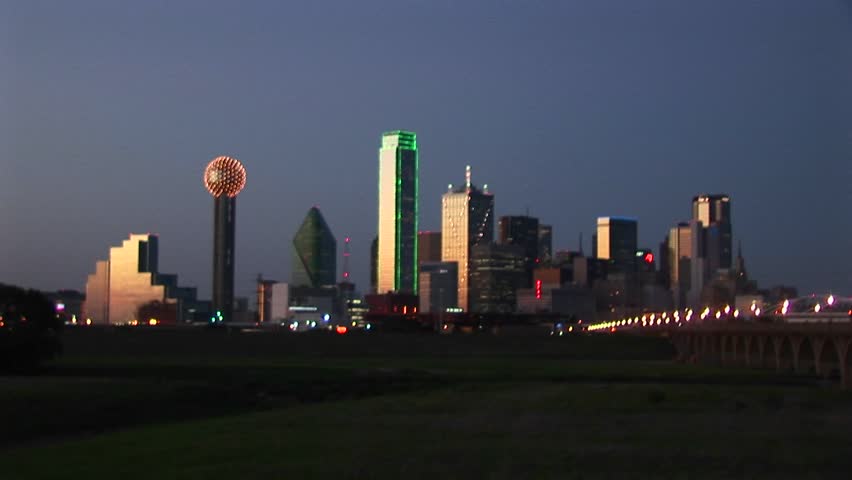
x=649, y=257
x=345, y=274
x=341, y=329
x=538, y=289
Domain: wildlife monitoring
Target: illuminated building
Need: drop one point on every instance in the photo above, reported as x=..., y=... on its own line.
x=224, y=178
x=685, y=262
x=128, y=281
x=314, y=252
x=398, y=215
x=714, y=213
x=467, y=220
x=496, y=273
x=616, y=240
x=428, y=247
x=439, y=284
x=522, y=231
x=545, y=242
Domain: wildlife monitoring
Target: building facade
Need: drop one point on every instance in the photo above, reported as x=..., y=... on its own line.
x=439, y=284
x=467, y=220
x=496, y=273
x=398, y=213
x=545, y=242
x=522, y=231
x=314, y=252
x=429, y=247
x=714, y=213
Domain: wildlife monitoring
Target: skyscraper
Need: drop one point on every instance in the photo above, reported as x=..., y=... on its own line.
x=398, y=213
x=522, y=231
x=438, y=286
x=128, y=280
x=496, y=273
x=685, y=262
x=314, y=251
x=714, y=213
x=545, y=242
x=224, y=178
x=617, y=242
x=467, y=219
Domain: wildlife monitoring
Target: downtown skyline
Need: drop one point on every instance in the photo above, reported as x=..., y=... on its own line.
x=88, y=172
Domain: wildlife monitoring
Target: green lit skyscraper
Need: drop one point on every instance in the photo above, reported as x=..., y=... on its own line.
x=314, y=252
x=398, y=215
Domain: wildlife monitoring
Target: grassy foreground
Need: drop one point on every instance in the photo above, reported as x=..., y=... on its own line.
x=518, y=411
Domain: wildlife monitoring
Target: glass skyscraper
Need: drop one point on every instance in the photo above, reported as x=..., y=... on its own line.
x=467, y=220
x=714, y=213
x=398, y=213
x=314, y=250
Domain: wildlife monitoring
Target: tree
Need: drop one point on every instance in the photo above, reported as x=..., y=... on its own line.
x=29, y=328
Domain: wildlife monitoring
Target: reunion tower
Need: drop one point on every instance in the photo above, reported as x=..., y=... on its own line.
x=224, y=177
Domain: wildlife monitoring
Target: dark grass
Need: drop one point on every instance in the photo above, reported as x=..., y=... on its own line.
x=175, y=404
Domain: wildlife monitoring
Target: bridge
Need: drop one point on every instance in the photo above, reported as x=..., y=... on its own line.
x=809, y=335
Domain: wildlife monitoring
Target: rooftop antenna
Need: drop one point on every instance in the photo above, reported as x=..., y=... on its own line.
x=581, y=243
x=346, y=254
x=467, y=176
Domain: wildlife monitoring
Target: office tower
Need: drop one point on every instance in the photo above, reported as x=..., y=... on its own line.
x=129, y=280
x=467, y=220
x=496, y=273
x=616, y=242
x=314, y=252
x=714, y=213
x=439, y=286
x=264, y=299
x=685, y=262
x=545, y=242
x=398, y=215
x=522, y=231
x=224, y=178
x=429, y=247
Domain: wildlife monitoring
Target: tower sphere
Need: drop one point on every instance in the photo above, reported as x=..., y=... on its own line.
x=224, y=176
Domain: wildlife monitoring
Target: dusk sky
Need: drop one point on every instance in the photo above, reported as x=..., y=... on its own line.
x=109, y=112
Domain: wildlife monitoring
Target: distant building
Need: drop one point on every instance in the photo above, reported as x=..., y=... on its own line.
x=685, y=263
x=438, y=286
x=398, y=213
x=545, y=242
x=467, y=220
x=314, y=252
x=429, y=247
x=496, y=273
x=279, y=302
x=714, y=213
x=617, y=239
x=522, y=231
x=128, y=280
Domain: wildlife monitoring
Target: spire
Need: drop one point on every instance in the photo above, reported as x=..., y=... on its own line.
x=581, y=243
x=467, y=176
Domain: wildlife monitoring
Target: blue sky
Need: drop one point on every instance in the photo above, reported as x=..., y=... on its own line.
x=109, y=112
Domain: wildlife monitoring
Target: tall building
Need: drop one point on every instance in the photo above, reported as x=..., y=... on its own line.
x=224, y=178
x=714, y=213
x=617, y=239
x=467, y=220
x=314, y=252
x=545, y=242
x=398, y=213
x=429, y=247
x=496, y=273
x=129, y=280
x=439, y=286
x=522, y=231
x=685, y=262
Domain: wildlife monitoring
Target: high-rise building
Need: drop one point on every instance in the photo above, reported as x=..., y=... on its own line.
x=714, y=213
x=398, y=213
x=439, y=286
x=467, y=220
x=616, y=241
x=545, y=242
x=522, y=231
x=429, y=247
x=129, y=280
x=314, y=252
x=685, y=262
x=224, y=178
x=496, y=273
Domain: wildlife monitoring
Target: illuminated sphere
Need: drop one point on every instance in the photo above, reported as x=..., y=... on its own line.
x=224, y=176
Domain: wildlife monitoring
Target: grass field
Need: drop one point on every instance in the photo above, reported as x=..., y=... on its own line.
x=212, y=405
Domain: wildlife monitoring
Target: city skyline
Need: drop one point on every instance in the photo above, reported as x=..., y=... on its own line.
x=616, y=161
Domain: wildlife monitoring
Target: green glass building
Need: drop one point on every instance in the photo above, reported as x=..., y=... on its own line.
x=398, y=213
x=314, y=250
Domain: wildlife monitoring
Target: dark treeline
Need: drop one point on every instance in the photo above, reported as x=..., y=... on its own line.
x=29, y=328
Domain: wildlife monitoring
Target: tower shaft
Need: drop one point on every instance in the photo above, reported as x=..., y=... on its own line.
x=224, y=221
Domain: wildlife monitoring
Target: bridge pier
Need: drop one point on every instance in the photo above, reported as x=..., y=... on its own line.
x=796, y=344
x=761, y=349
x=841, y=344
